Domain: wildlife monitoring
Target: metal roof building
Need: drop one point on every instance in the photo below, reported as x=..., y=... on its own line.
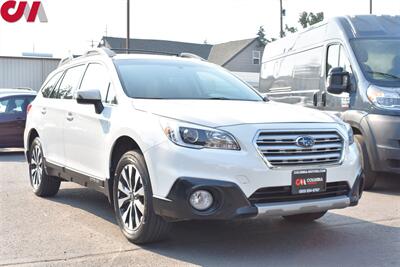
x=17, y=72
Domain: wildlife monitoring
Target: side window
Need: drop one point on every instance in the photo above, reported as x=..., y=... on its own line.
x=111, y=97
x=15, y=105
x=332, y=60
x=97, y=77
x=50, y=85
x=344, y=60
x=69, y=83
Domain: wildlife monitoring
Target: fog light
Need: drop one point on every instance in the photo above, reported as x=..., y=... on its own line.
x=201, y=200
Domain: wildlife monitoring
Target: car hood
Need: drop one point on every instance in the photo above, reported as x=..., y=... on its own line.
x=218, y=113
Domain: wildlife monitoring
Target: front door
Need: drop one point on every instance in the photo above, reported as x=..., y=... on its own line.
x=86, y=131
x=336, y=56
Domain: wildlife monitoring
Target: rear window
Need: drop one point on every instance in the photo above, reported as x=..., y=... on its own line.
x=69, y=83
x=50, y=85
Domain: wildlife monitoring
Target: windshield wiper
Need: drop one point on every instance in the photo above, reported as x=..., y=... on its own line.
x=384, y=74
x=219, y=98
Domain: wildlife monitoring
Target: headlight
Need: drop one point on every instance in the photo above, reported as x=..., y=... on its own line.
x=350, y=133
x=384, y=98
x=345, y=125
x=195, y=136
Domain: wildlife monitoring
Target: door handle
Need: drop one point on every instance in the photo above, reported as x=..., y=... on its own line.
x=324, y=99
x=44, y=111
x=70, y=116
x=315, y=99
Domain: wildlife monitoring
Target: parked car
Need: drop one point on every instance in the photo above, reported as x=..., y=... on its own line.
x=349, y=66
x=13, y=108
x=170, y=138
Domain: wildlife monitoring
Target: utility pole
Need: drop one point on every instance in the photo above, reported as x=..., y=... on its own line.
x=281, y=17
x=128, y=28
x=370, y=7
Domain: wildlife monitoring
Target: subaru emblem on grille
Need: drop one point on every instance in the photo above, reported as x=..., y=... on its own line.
x=305, y=141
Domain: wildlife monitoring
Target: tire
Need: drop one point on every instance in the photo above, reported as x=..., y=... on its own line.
x=133, y=202
x=306, y=217
x=43, y=185
x=369, y=175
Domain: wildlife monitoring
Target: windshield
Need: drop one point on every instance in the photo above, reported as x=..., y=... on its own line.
x=379, y=60
x=162, y=79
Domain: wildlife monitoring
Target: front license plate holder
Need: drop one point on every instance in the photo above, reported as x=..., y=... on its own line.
x=308, y=181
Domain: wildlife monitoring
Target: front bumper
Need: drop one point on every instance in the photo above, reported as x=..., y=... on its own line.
x=383, y=141
x=231, y=202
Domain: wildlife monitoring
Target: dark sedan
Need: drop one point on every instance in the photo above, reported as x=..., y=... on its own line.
x=13, y=108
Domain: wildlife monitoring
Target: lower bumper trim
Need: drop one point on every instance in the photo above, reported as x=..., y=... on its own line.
x=305, y=206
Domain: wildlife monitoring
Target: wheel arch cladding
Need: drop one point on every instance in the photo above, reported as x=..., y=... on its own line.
x=31, y=136
x=122, y=145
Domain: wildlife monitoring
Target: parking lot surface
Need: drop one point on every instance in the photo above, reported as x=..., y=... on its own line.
x=77, y=228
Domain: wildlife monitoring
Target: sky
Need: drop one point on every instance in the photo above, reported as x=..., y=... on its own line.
x=74, y=24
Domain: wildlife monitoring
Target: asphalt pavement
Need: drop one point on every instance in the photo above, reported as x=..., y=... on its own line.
x=77, y=228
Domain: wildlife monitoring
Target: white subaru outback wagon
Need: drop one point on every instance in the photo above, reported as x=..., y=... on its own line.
x=170, y=138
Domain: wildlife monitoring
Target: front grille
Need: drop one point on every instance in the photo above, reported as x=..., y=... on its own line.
x=281, y=149
x=284, y=193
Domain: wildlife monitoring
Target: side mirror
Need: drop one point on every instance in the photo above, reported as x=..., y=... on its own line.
x=338, y=81
x=90, y=97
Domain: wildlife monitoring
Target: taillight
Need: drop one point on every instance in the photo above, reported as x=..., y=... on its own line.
x=28, y=108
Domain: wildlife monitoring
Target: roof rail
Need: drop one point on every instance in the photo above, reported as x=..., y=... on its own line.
x=152, y=52
x=93, y=52
x=65, y=60
x=100, y=51
x=190, y=55
x=143, y=51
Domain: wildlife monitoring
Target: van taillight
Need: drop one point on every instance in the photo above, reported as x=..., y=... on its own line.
x=28, y=108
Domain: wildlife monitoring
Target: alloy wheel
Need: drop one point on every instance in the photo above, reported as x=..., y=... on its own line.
x=131, y=198
x=36, y=166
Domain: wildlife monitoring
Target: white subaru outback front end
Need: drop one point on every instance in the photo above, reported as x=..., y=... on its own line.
x=244, y=159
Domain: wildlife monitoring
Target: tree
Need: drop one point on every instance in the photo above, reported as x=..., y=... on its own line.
x=261, y=36
x=290, y=29
x=307, y=19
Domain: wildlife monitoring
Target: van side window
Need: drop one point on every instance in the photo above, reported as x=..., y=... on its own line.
x=50, y=85
x=97, y=77
x=337, y=57
x=332, y=60
x=69, y=83
x=344, y=61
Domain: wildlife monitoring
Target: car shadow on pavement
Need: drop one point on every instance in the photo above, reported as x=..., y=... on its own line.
x=88, y=200
x=335, y=240
x=275, y=242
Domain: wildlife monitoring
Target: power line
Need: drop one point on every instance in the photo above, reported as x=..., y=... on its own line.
x=128, y=28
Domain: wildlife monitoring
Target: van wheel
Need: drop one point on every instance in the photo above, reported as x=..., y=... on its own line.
x=306, y=217
x=369, y=175
x=132, y=197
x=43, y=185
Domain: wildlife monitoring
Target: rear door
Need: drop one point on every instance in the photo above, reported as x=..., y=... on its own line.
x=12, y=120
x=53, y=110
